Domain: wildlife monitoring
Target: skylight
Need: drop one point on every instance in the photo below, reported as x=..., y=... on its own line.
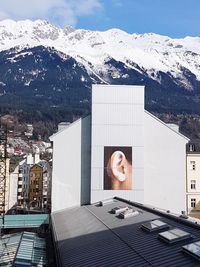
x=193, y=249
x=175, y=235
x=155, y=225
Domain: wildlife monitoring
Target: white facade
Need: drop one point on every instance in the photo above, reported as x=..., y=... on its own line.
x=13, y=187
x=23, y=179
x=46, y=184
x=165, y=166
x=71, y=165
x=7, y=182
x=119, y=121
x=193, y=184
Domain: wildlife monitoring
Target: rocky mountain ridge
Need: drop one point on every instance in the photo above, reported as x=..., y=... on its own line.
x=41, y=63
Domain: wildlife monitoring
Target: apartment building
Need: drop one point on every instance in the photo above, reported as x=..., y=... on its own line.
x=35, y=186
x=40, y=185
x=193, y=182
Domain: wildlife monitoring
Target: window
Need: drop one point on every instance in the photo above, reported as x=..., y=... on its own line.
x=193, y=202
x=193, y=184
x=192, y=165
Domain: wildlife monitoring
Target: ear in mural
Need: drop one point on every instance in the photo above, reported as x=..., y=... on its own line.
x=117, y=168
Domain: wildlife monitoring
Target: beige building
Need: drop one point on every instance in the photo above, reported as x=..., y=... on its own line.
x=40, y=185
x=35, y=186
x=193, y=184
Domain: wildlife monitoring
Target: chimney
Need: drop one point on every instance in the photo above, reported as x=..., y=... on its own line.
x=191, y=147
x=63, y=125
x=29, y=159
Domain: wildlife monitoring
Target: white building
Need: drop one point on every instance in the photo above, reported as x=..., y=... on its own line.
x=193, y=184
x=4, y=183
x=71, y=165
x=13, y=185
x=46, y=184
x=120, y=150
x=23, y=177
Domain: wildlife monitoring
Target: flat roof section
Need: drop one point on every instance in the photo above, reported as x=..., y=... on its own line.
x=93, y=236
x=24, y=221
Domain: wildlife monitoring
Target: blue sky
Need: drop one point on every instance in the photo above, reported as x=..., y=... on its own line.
x=175, y=18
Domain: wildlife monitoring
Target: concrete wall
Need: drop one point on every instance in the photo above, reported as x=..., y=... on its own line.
x=71, y=165
x=165, y=166
x=117, y=121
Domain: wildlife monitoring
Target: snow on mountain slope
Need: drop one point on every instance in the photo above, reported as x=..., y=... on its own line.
x=151, y=52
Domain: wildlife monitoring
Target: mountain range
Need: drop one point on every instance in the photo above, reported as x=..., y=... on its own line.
x=47, y=68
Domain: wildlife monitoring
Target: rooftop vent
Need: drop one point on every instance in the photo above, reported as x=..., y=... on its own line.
x=128, y=213
x=191, y=147
x=193, y=249
x=118, y=210
x=175, y=235
x=183, y=215
x=155, y=225
x=107, y=202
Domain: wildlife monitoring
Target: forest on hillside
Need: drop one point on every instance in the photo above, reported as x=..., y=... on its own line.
x=45, y=123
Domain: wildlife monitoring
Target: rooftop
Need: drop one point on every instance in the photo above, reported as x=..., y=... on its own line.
x=22, y=249
x=95, y=235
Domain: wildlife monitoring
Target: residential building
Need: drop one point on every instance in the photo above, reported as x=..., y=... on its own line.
x=4, y=191
x=13, y=185
x=46, y=184
x=23, y=180
x=35, y=186
x=193, y=182
x=120, y=150
x=40, y=186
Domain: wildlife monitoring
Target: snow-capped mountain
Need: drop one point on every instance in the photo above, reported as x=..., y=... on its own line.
x=43, y=57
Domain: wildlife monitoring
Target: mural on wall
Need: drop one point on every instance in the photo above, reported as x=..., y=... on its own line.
x=117, y=168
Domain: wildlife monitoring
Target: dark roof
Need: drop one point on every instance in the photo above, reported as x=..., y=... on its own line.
x=193, y=148
x=92, y=236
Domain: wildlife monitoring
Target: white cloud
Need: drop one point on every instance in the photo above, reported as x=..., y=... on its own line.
x=3, y=15
x=61, y=12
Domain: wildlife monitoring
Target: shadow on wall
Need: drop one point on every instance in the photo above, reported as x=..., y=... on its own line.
x=85, y=160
